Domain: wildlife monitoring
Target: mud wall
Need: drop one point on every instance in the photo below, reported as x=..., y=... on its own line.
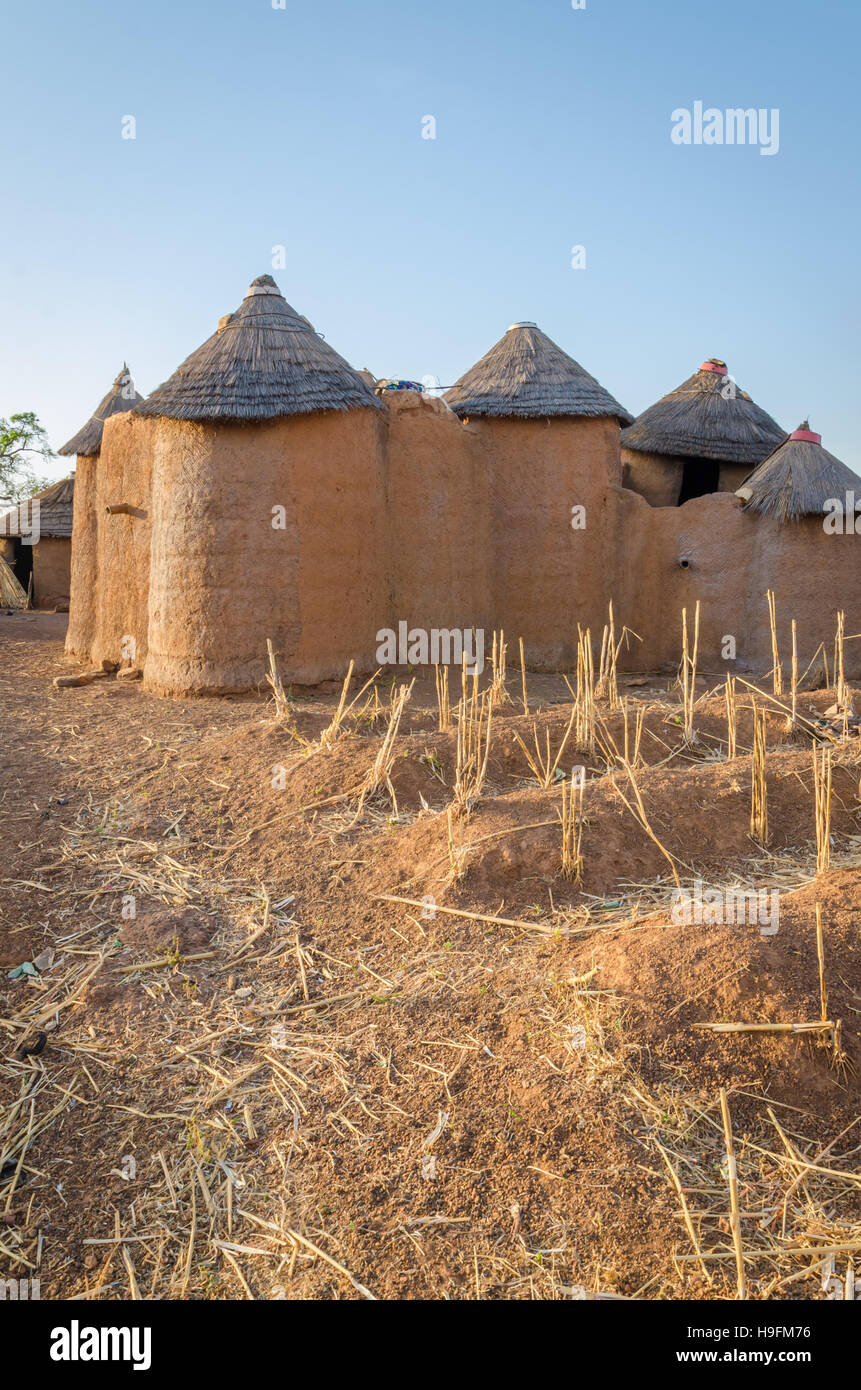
x=83, y=584
x=710, y=550
x=654, y=476
x=275, y=530
x=51, y=562
x=122, y=542
x=546, y=576
x=319, y=531
x=437, y=517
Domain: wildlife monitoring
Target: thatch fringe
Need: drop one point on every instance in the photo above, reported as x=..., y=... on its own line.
x=263, y=362
x=706, y=417
x=797, y=479
x=122, y=396
x=528, y=376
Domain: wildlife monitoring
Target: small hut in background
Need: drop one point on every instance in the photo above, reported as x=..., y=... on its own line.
x=36, y=543
x=86, y=446
x=703, y=437
x=801, y=479
x=549, y=435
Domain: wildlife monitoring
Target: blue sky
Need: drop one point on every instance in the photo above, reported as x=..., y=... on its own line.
x=258, y=127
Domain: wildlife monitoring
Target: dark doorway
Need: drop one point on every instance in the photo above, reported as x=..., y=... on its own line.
x=22, y=562
x=699, y=476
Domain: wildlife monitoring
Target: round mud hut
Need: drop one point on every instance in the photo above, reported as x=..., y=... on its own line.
x=549, y=435
x=36, y=541
x=703, y=437
x=801, y=479
x=266, y=507
x=86, y=446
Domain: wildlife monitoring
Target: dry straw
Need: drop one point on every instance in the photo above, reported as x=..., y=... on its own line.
x=776, y=668
x=572, y=826
x=822, y=806
x=442, y=698
x=543, y=765
x=282, y=704
x=758, y=785
x=688, y=672
x=732, y=1180
x=11, y=593
x=498, y=691
x=584, y=695
x=794, y=673
x=474, y=727
x=379, y=776
x=839, y=668
x=731, y=719
x=607, y=687
x=523, y=678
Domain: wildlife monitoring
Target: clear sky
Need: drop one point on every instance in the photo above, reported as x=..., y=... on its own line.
x=302, y=127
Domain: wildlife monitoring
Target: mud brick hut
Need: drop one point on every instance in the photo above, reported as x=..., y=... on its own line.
x=253, y=494
x=703, y=437
x=86, y=446
x=266, y=491
x=548, y=436
x=41, y=565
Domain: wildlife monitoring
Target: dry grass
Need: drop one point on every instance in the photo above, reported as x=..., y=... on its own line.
x=688, y=673
x=379, y=775
x=474, y=731
x=776, y=668
x=572, y=827
x=822, y=779
x=758, y=784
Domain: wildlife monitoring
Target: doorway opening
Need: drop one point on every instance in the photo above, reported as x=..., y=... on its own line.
x=699, y=477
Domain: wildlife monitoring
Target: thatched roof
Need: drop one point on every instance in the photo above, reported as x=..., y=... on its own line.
x=526, y=376
x=55, y=511
x=11, y=593
x=706, y=417
x=797, y=479
x=122, y=396
x=263, y=362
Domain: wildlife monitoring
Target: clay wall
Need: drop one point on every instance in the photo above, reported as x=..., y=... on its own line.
x=273, y=530
x=438, y=518
x=122, y=542
x=51, y=560
x=83, y=584
x=711, y=550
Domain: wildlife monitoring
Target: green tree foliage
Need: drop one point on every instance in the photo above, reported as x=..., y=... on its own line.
x=23, y=442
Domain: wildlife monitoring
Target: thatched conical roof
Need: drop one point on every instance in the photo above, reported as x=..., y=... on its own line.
x=122, y=396
x=706, y=417
x=797, y=479
x=263, y=362
x=527, y=376
x=55, y=511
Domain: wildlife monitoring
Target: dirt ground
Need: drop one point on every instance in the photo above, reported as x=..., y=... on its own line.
x=233, y=1067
